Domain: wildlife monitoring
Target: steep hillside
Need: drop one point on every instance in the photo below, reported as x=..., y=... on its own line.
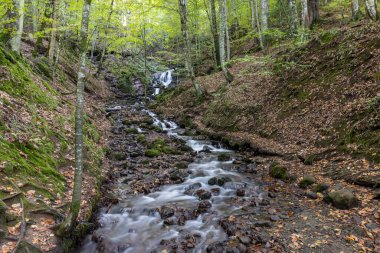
x=36, y=146
x=318, y=104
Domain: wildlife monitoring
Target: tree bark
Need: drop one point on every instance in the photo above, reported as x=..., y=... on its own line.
x=222, y=38
x=68, y=225
x=314, y=10
x=185, y=34
x=355, y=9
x=236, y=20
x=214, y=31
x=16, y=27
x=93, y=43
x=371, y=9
x=294, y=16
x=305, y=14
x=34, y=11
x=264, y=19
x=228, y=42
x=100, y=66
x=261, y=40
x=253, y=14
x=53, y=36
x=39, y=47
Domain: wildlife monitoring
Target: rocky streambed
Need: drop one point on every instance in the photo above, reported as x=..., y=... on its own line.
x=172, y=190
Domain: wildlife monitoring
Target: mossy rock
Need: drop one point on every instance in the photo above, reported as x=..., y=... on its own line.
x=181, y=165
x=185, y=148
x=307, y=181
x=169, y=150
x=118, y=156
x=320, y=187
x=141, y=139
x=132, y=130
x=152, y=152
x=224, y=157
x=219, y=180
x=342, y=199
x=278, y=171
x=309, y=160
x=377, y=195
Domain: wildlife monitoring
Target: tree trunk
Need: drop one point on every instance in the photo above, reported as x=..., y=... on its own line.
x=53, y=36
x=93, y=43
x=236, y=20
x=355, y=9
x=314, y=10
x=294, y=16
x=305, y=14
x=264, y=19
x=253, y=14
x=34, y=6
x=100, y=66
x=39, y=47
x=371, y=9
x=261, y=40
x=185, y=34
x=68, y=225
x=228, y=42
x=214, y=31
x=222, y=38
x=16, y=28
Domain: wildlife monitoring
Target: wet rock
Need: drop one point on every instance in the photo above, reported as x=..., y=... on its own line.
x=252, y=168
x=263, y=223
x=219, y=180
x=171, y=221
x=215, y=191
x=204, y=206
x=274, y=218
x=206, y=149
x=320, y=187
x=215, y=247
x=240, y=192
x=307, y=181
x=177, y=176
x=278, y=171
x=166, y=212
x=190, y=190
x=342, y=199
x=245, y=240
x=203, y=194
x=224, y=157
x=311, y=195
x=234, y=185
x=229, y=227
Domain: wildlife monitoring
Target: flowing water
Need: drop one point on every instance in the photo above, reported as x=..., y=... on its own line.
x=163, y=79
x=135, y=223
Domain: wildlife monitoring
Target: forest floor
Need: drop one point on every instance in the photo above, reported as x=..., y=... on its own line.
x=315, y=109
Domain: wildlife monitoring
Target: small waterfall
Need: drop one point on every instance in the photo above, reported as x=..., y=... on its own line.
x=162, y=79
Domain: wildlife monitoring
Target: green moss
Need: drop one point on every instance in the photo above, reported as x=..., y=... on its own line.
x=19, y=84
x=278, y=171
x=224, y=157
x=306, y=181
x=141, y=138
x=152, y=152
x=132, y=130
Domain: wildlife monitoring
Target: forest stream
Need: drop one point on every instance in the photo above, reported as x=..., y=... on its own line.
x=183, y=216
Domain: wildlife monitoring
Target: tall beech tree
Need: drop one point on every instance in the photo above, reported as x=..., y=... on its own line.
x=70, y=221
x=185, y=34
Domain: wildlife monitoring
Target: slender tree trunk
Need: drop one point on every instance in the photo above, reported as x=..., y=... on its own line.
x=314, y=10
x=93, y=43
x=294, y=16
x=305, y=14
x=185, y=34
x=228, y=42
x=16, y=28
x=222, y=38
x=261, y=39
x=34, y=6
x=371, y=9
x=253, y=14
x=236, y=20
x=53, y=36
x=39, y=47
x=355, y=9
x=214, y=31
x=100, y=66
x=68, y=225
x=264, y=19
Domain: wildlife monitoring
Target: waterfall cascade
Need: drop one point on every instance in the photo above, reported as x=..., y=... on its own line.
x=162, y=79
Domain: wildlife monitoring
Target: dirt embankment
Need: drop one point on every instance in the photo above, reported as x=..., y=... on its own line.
x=317, y=104
x=37, y=148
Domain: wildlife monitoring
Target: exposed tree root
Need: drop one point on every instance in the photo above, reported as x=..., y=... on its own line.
x=23, y=228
